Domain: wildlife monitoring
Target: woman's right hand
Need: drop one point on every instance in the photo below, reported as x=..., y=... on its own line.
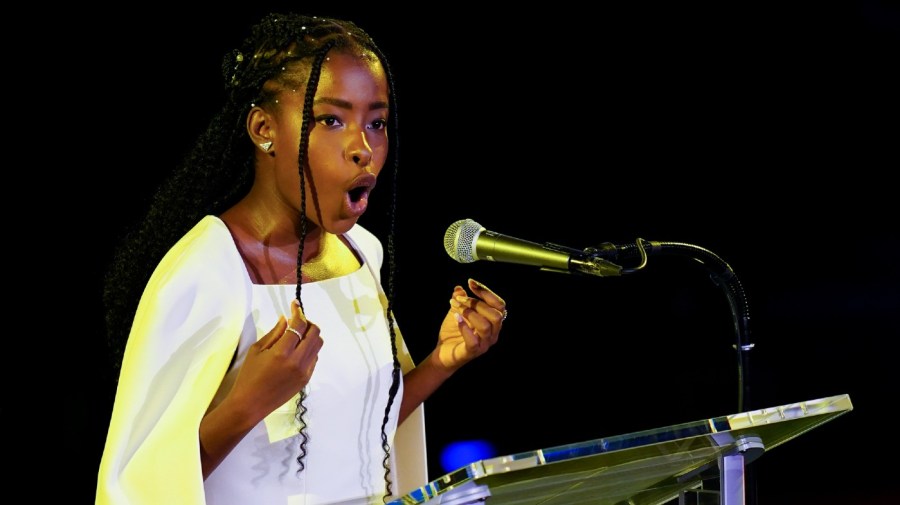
x=278, y=365
x=276, y=368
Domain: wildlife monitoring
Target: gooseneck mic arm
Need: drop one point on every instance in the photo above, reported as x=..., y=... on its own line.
x=721, y=274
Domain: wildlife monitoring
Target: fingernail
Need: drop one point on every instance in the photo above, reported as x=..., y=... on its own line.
x=461, y=298
x=475, y=284
x=455, y=303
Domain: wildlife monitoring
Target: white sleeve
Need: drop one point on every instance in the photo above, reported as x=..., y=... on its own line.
x=184, y=335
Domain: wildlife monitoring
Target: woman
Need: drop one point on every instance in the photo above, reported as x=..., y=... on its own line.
x=263, y=363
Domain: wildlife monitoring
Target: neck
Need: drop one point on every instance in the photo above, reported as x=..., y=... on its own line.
x=269, y=240
x=333, y=259
x=272, y=223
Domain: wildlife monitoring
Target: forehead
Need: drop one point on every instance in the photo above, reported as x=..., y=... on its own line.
x=348, y=74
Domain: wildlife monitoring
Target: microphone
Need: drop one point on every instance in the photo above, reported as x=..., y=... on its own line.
x=467, y=241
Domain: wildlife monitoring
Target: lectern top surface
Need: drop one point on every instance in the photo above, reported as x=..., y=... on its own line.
x=641, y=468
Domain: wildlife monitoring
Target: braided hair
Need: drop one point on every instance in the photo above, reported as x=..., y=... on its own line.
x=281, y=52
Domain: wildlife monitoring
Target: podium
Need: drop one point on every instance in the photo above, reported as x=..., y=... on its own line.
x=652, y=467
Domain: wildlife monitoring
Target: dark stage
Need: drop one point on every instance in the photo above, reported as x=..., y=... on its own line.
x=765, y=134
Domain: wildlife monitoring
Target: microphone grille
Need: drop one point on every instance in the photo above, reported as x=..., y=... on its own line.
x=459, y=240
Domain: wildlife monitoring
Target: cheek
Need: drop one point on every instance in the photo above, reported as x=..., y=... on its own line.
x=380, y=153
x=319, y=155
x=322, y=147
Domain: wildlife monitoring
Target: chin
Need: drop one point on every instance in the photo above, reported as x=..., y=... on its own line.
x=341, y=226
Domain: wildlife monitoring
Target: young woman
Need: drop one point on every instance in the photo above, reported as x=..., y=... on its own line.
x=263, y=363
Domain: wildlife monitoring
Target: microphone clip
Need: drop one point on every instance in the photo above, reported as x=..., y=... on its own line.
x=589, y=261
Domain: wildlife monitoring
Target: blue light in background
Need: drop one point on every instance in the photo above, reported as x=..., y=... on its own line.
x=459, y=454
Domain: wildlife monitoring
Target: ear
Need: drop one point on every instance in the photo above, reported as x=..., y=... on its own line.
x=261, y=128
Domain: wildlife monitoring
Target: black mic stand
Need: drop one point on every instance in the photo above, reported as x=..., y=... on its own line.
x=721, y=274
x=605, y=259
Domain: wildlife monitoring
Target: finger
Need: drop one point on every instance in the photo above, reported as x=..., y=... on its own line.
x=298, y=346
x=306, y=354
x=470, y=307
x=269, y=339
x=298, y=325
x=469, y=336
x=487, y=295
x=495, y=301
x=297, y=310
x=311, y=342
x=482, y=325
x=295, y=330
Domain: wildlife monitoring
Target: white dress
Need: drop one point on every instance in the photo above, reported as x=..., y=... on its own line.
x=175, y=367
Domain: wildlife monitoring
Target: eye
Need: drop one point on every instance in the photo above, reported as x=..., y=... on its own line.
x=328, y=120
x=378, y=124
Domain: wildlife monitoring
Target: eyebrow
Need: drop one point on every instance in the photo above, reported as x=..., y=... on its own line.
x=347, y=105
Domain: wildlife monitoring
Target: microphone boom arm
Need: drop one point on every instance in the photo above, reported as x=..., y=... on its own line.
x=721, y=274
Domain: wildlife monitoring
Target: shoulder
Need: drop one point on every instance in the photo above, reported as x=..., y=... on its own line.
x=209, y=233
x=210, y=236
x=201, y=278
x=206, y=252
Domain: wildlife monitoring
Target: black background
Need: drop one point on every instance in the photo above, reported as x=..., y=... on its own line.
x=764, y=133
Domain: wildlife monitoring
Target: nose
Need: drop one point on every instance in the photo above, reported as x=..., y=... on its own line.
x=359, y=151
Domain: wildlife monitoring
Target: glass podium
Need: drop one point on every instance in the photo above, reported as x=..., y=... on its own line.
x=651, y=467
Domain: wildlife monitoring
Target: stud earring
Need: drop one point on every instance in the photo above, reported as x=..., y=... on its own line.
x=266, y=145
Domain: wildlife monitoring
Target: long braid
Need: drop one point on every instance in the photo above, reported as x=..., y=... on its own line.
x=311, y=86
x=392, y=267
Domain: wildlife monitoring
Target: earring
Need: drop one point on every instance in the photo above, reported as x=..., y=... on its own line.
x=266, y=145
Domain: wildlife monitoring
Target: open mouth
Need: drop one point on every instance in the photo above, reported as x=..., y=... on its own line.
x=357, y=194
x=361, y=188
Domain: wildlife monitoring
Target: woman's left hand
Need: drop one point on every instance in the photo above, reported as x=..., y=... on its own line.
x=472, y=325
